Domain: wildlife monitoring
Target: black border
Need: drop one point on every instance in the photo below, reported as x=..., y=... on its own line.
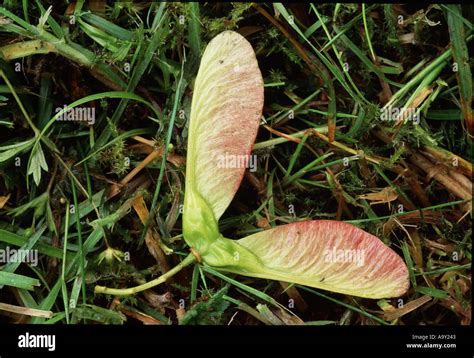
x=365, y=339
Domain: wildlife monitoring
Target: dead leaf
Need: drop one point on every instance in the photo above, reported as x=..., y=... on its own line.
x=140, y=316
x=386, y=195
x=3, y=200
x=279, y=317
x=263, y=223
x=180, y=312
x=407, y=308
x=152, y=239
x=157, y=301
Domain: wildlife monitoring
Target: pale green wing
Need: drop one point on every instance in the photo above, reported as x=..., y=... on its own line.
x=326, y=254
x=225, y=114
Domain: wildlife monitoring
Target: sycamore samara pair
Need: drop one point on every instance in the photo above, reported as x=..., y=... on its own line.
x=225, y=116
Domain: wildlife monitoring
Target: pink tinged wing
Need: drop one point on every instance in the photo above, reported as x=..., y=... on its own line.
x=225, y=115
x=330, y=255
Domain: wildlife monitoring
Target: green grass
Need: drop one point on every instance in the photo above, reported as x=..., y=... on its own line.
x=326, y=69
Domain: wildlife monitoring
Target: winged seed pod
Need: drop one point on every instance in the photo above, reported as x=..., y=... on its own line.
x=225, y=116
